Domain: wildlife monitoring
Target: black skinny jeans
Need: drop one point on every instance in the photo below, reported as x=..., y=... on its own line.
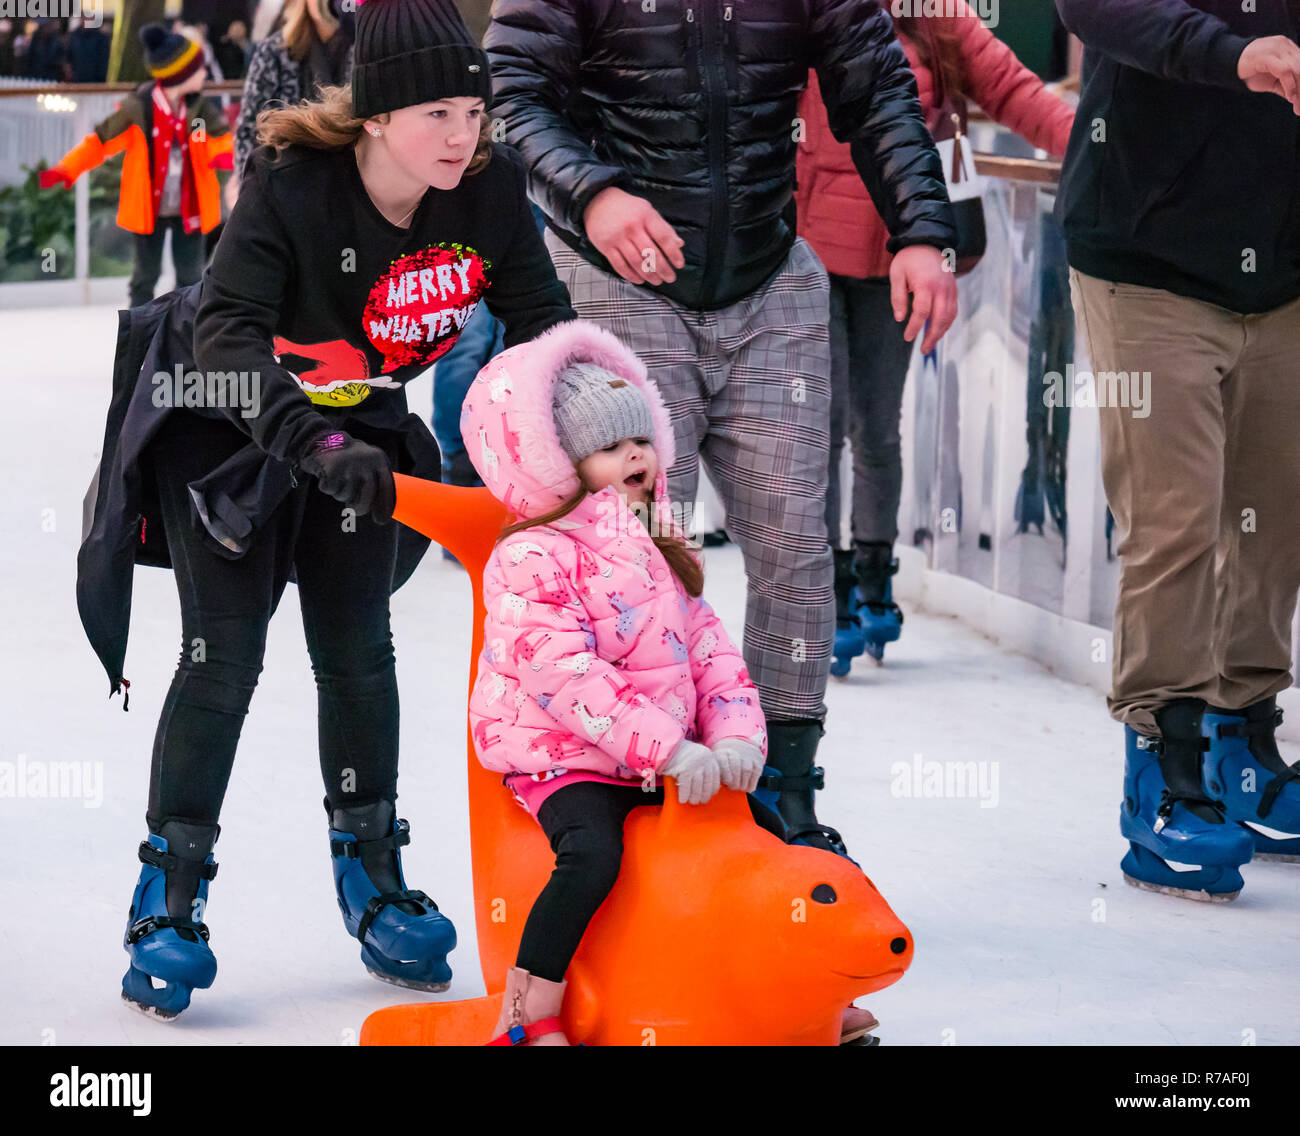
x=869, y=363
x=584, y=823
x=343, y=586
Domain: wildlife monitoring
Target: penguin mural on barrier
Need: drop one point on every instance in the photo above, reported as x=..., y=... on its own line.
x=707, y=908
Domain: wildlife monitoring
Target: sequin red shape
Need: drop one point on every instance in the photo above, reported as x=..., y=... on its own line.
x=418, y=307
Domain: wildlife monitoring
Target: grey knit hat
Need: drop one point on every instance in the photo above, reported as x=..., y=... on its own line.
x=414, y=51
x=594, y=408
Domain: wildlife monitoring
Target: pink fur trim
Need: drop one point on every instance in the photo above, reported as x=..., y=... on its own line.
x=533, y=368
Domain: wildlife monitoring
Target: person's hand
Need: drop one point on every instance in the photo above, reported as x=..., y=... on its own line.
x=696, y=772
x=740, y=763
x=922, y=271
x=353, y=472
x=629, y=233
x=231, y=193
x=323, y=17
x=1271, y=64
x=50, y=178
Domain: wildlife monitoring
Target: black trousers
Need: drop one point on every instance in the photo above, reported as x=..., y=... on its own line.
x=584, y=823
x=869, y=362
x=187, y=258
x=344, y=569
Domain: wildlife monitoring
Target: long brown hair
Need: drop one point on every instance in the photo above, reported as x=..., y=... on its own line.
x=938, y=48
x=332, y=124
x=681, y=561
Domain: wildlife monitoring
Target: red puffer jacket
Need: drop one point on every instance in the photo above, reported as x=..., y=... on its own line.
x=835, y=214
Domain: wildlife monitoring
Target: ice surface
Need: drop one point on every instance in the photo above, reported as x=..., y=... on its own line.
x=1012, y=947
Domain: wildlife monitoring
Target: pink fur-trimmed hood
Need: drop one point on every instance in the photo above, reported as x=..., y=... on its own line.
x=509, y=427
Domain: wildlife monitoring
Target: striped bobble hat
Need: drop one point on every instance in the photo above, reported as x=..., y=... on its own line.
x=170, y=57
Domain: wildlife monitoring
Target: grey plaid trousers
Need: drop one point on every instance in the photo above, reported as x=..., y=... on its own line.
x=748, y=387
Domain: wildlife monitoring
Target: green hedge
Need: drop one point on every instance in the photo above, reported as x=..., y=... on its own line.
x=38, y=228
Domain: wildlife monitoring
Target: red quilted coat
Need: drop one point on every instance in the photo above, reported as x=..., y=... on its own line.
x=835, y=214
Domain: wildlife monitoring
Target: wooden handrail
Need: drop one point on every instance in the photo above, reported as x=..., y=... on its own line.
x=1018, y=169
x=231, y=87
x=990, y=165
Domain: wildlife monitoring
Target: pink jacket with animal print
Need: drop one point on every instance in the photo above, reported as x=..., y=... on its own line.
x=595, y=664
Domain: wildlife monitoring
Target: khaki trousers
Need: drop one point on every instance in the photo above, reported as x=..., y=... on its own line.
x=1204, y=485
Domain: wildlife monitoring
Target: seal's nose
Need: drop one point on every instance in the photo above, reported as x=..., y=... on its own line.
x=898, y=946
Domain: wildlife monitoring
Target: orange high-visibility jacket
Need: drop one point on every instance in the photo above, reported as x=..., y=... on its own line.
x=129, y=130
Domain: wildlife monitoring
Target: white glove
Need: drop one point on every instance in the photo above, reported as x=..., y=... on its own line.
x=740, y=763
x=696, y=771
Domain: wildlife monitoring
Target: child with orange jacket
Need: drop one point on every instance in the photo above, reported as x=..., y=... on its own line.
x=174, y=140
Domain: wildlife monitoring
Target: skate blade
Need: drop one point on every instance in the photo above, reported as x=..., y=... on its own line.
x=865, y=1040
x=406, y=983
x=1182, y=893
x=1280, y=847
x=150, y=1011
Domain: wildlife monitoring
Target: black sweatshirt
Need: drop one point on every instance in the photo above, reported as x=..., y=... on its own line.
x=310, y=270
x=1178, y=176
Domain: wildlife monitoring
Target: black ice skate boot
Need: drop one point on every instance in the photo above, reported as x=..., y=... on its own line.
x=791, y=747
x=881, y=618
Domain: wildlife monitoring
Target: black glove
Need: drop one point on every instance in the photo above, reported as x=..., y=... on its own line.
x=353, y=472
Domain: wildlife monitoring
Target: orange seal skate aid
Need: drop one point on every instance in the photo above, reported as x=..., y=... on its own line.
x=716, y=933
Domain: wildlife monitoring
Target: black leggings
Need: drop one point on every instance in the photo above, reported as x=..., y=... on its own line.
x=343, y=586
x=584, y=823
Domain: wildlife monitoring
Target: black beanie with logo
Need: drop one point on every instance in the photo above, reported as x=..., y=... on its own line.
x=414, y=51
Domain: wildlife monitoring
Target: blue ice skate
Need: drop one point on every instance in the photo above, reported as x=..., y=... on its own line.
x=881, y=624
x=1179, y=842
x=866, y=617
x=881, y=618
x=1258, y=788
x=850, y=640
x=404, y=938
x=166, y=938
x=850, y=637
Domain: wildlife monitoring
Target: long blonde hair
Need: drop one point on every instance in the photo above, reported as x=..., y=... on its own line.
x=332, y=124
x=298, y=29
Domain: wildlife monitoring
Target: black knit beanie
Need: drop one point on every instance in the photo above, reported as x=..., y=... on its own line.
x=414, y=51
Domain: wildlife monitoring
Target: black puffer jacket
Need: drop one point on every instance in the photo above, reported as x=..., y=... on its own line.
x=692, y=105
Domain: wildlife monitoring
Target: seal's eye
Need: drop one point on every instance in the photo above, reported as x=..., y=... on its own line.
x=823, y=893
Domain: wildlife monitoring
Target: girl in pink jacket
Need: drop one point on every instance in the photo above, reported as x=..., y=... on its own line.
x=602, y=668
